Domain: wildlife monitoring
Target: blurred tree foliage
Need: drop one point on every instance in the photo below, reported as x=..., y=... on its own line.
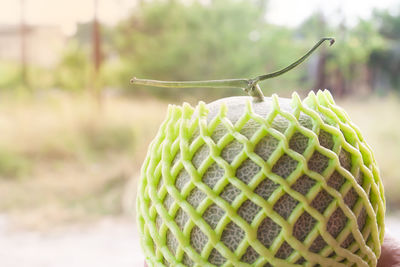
x=344, y=68
x=176, y=40
x=73, y=70
x=386, y=61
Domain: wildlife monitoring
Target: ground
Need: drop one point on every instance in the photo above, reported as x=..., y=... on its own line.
x=109, y=242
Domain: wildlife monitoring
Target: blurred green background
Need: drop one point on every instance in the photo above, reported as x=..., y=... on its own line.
x=74, y=132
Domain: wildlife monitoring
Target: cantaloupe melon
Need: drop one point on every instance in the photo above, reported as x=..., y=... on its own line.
x=281, y=182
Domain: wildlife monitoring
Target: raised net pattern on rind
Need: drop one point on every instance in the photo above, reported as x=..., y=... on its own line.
x=176, y=134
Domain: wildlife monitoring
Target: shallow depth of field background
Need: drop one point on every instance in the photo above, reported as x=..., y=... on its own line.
x=73, y=132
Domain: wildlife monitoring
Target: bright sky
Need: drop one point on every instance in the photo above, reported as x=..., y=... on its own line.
x=67, y=13
x=292, y=12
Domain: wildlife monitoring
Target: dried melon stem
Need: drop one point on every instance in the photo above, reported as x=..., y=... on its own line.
x=250, y=86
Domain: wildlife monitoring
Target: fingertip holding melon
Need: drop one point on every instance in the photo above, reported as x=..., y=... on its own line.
x=262, y=181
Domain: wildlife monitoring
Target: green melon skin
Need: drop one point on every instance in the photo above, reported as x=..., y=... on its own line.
x=282, y=182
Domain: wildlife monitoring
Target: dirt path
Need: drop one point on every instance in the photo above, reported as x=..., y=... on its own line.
x=108, y=243
x=111, y=242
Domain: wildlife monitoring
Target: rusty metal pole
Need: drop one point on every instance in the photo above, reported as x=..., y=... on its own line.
x=96, y=39
x=23, y=32
x=97, y=55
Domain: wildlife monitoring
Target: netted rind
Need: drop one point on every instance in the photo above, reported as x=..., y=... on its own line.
x=282, y=182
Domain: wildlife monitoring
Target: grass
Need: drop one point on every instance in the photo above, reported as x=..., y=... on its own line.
x=378, y=120
x=64, y=159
